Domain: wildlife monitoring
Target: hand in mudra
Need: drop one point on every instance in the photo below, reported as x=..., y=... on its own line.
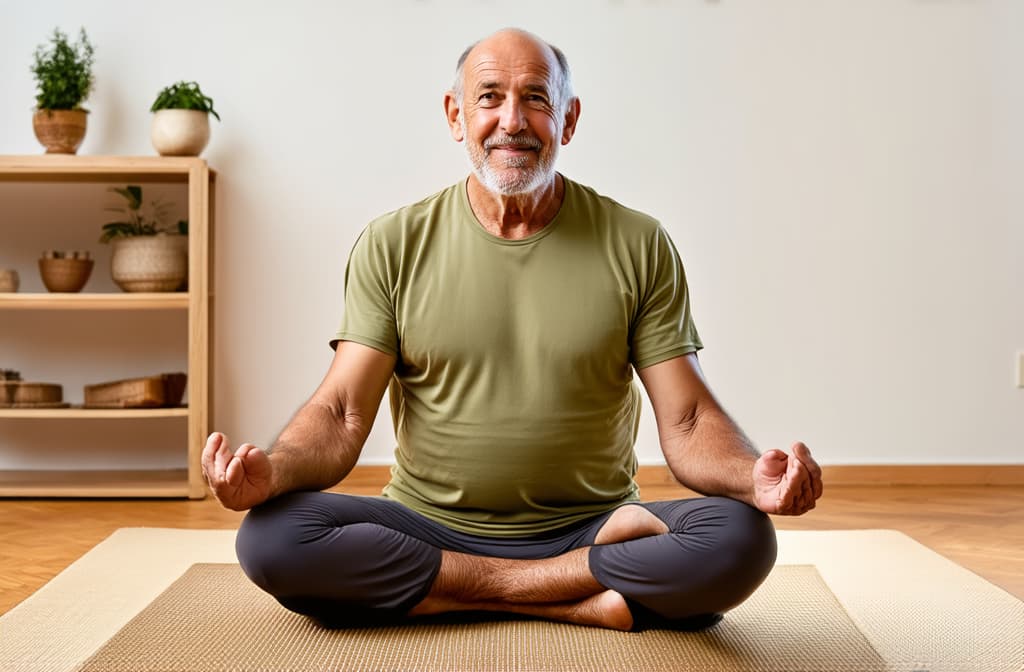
x=239, y=480
x=787, y=485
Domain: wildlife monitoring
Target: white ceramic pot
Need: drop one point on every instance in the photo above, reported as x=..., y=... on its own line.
x=180, y=132
x=149, y=263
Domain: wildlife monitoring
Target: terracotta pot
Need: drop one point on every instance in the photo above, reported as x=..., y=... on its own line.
x=149, y=263
x=60, y=131
x=180, y=132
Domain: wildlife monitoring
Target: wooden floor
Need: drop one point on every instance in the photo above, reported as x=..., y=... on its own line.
x=979, y=527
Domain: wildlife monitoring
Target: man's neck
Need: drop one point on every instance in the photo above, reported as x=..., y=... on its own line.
x=517, y=216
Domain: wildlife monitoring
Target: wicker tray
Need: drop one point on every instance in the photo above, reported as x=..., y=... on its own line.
x=19, y=394
x=149, y=392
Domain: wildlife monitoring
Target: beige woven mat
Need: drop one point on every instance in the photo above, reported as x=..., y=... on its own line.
x=213, y=619
x=918, y=610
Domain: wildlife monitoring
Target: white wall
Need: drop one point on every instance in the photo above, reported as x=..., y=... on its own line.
x=841, y=179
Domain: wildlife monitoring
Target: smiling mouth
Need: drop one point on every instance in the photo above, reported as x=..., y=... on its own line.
x=513, y=148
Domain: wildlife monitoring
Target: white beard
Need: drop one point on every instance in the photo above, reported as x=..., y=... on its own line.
x=516, y=178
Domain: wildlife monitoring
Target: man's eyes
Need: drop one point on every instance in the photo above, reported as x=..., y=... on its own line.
x=532, y=98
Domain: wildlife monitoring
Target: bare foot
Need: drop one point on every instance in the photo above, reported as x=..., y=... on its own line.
x=631, y=521
x=604, y=610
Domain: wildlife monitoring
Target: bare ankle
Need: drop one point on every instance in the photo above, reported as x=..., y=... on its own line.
x=604, y=610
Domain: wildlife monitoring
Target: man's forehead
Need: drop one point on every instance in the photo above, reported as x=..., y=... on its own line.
x=497, y=71
x=500, y=59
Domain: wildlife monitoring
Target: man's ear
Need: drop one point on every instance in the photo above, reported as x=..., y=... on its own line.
x=572, y=117
x=451, y=112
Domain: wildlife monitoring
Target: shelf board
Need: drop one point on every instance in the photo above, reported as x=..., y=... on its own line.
x=76, y=168
x=121, y=483
x=93, y=413
x=95, y=301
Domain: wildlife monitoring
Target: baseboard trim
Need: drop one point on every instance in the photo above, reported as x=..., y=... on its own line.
x=886, y=474
x=368, y=476
x=374, y=475
x=924, y=474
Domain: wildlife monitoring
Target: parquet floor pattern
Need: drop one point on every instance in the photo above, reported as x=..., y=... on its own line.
x=979, y=527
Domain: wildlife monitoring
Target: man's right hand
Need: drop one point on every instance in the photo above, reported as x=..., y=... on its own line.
x=239, y=480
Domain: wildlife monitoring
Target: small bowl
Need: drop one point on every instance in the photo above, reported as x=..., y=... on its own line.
x=65, y=275
x=9, y=280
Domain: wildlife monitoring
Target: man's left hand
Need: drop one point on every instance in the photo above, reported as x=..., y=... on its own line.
x=787, y=485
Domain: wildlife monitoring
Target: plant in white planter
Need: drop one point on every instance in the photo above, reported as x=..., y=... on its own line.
x=148, y=256
x=181, y=123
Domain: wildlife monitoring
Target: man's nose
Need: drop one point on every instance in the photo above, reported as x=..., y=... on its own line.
x=512, y=118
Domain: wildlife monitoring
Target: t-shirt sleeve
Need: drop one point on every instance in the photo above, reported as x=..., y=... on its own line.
x=663, y=327
x=369, y=316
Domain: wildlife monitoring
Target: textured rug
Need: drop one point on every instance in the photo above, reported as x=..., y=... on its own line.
x=214, y=620
x=864, y=600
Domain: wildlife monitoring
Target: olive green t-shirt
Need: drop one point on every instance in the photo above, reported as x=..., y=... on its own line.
x=513, y=399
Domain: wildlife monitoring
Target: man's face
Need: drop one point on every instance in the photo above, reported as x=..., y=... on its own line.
x=510, y=117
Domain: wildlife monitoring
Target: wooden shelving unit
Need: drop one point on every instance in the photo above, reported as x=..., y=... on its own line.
x=200, y=181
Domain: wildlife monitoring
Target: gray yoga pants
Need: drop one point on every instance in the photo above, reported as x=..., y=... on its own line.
x=347, y=560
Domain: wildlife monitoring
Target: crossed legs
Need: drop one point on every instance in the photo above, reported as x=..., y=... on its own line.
x=561, y=588
x=351, y=560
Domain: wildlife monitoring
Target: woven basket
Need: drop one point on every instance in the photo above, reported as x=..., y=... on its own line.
x=164, y=390
x=65, y=275
x=150, y=263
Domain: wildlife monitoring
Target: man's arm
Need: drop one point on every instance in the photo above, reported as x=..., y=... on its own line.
x=320, y=444
x=707, y=452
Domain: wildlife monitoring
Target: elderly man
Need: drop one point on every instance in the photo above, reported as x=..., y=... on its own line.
x=508, y=314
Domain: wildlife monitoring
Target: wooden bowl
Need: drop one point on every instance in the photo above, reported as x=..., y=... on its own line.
x=65, y=275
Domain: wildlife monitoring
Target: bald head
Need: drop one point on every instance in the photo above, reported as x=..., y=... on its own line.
x=514, y=38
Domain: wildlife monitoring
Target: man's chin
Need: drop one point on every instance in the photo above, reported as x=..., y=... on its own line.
x=513, y=181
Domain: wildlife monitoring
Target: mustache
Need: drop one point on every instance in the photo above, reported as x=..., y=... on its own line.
x=517, y=141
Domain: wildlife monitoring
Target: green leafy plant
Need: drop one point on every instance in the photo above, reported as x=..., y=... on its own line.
x=63, y=72
x=139, y=221
x=183, y=96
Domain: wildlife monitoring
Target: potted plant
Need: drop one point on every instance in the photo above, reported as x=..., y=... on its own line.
x=64, y=78
x=148, y=255
x=181, y=123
